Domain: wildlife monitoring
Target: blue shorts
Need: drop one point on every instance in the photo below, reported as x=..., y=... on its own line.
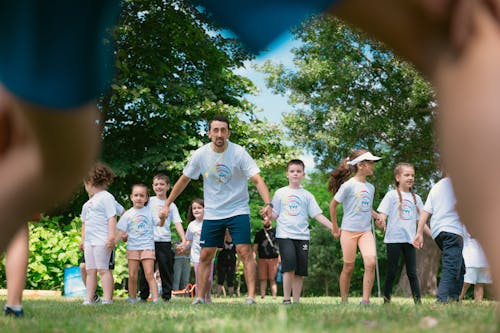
x=213, y=231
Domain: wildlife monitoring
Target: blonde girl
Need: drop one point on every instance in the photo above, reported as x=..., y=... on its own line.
x=356, y=195
x=402, y=206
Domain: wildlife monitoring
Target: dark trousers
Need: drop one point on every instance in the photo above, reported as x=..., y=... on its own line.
x=165, y=262
x=452, y=266
x=410, y=258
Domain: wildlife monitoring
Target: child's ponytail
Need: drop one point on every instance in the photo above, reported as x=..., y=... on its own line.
x=342, y=173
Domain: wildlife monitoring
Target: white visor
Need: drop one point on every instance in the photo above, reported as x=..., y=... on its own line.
x=364, y=157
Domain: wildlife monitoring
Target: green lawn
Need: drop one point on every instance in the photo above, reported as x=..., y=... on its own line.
x=318, y=314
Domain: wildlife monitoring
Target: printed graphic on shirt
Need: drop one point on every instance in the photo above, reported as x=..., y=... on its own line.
x=363, y=203
x=292, y=205
x=406, y=210
x=139, y=225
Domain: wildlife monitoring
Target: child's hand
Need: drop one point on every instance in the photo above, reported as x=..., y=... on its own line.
x=336, y=232
x=418, y=242
x=125, y=237
x=164, y=212
x=110, y=244
x=81, y=246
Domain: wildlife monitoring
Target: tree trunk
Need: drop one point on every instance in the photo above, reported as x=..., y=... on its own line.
x=428, y=261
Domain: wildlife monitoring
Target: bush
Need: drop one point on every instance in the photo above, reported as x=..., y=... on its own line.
x=54, y=247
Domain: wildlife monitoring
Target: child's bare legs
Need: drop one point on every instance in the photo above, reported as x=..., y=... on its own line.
x=345, y=280
x=288, y=280
x=263, y=287
x=464, y=291
x=83, y=273
x=298, y=281
x=16, y=264
x=91, y=284
x=478, y=292
x=107, y=282
x=469, y=127
x=133, y=268
x=368, y=277
x=44, y=156
x=149, y=266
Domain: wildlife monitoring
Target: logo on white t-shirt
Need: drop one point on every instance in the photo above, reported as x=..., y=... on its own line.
x=363, y=201
x=405, y=211
x=222, y=174
x=139, y=225
x=293, y=204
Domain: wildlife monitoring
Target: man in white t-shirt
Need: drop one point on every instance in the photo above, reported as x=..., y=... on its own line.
x=225, y=168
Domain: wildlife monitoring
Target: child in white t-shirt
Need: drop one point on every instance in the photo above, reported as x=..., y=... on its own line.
x=447, y=232
x=98, y=230
x=477, y=269
x=292, y=206
x=356, y=196
x=138, y=223
x=402, y=206
x=193, y=233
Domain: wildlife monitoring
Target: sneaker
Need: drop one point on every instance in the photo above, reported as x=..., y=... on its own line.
x=96, y=299
x=132, y=300
x=157, y=300
x=198, y=300
x=363, y=302
x=8, y=311
x=87, y=302
x=250, y=300
x=387, y=300
x=107, y=301
x=287, y=302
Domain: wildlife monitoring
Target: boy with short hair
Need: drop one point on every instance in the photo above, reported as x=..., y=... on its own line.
x=292, y=205
x=163, y=238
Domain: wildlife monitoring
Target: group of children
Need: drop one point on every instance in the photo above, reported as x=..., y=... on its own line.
x=406, y=215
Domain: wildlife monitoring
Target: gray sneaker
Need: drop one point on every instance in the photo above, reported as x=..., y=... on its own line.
x=250, y=300
x=198, y=300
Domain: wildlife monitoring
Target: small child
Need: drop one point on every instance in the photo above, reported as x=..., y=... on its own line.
x=193, y=233
x=98, y=230
x=403, y=207
x=163, y=239
x=477, y=270
x=292, y=205
x=447, y=232
x=138, y=223
x=226, y=265
x=356, y=195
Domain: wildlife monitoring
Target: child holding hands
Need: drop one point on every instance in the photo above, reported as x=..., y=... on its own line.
x=292, y=205
x=356, y=195
x=138, y=223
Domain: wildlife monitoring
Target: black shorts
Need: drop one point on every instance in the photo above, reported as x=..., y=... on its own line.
x=111, y=260
x=294, y=255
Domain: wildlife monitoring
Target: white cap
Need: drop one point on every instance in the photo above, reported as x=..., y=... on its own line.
x=364, y=157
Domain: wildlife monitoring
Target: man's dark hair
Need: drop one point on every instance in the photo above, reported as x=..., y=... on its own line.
x=219, y=117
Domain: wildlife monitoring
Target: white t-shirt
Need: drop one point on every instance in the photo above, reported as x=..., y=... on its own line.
x=441, y=204
x=193, y=234
x=293, y=207
x=138, y=223
x=163, y=234
x=357, y=200
x=225, y=179
x=473, y=252
x=402, y=216
x=96, y=213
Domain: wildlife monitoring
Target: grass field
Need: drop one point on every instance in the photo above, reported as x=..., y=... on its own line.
x=318, y=314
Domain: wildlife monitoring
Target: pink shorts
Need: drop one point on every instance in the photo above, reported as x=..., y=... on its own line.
x=140, y=254
x=97, y=257
x=351, y=240
x=267, y=268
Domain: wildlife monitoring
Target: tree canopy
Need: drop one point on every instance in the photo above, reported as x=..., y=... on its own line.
x=348, y=91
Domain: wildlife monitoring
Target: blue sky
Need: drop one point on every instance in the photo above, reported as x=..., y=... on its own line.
x=273, y=106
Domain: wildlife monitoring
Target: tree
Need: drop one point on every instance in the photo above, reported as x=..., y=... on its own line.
x=348, y=92
x=174, y=70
